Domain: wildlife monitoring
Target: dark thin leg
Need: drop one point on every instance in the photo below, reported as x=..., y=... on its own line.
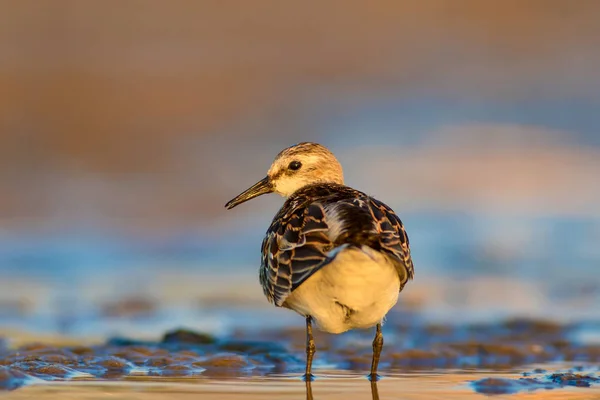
x=310, y=349
x=309, y=395
x=374, y=391
x=377, y=346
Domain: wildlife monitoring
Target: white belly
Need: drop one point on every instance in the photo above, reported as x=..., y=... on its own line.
x=355, y=290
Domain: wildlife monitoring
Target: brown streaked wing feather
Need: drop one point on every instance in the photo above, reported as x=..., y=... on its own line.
x=295, y=247
x=393, y=239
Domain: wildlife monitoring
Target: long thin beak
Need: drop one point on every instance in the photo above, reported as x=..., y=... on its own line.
x=261, y=187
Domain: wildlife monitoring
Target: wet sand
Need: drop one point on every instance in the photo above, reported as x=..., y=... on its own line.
x=332, y=385
x=520, y=358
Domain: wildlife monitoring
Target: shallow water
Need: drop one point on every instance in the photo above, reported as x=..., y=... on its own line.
x=478, y=320
x=331, y=385
x=423, y=360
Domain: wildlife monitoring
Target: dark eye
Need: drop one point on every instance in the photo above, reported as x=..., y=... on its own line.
x=295, y=165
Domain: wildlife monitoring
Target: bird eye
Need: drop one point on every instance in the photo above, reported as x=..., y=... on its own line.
x=295, y=165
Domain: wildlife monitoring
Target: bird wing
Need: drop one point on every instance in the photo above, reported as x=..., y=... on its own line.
x=296, y=246
x=393, y=239
x=299, y=241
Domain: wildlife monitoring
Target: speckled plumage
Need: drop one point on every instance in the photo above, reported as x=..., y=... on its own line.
x=298, y=243
x=332, y=254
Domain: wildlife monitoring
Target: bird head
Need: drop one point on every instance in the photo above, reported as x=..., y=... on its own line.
x=293, y=168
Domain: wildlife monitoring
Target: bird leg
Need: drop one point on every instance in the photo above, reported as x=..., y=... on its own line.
x=309, y=394
x=374, y=391
x=310, y=349
x=377, y=346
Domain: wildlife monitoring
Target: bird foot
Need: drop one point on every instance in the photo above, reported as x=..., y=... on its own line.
x=308, y=377
x=374, y=377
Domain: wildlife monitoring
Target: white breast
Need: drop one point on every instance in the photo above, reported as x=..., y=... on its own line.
x=355, y=290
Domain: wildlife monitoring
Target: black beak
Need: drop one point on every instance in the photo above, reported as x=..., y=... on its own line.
x=261, y=187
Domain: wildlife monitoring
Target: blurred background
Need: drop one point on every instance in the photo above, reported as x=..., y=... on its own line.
x=125, y=126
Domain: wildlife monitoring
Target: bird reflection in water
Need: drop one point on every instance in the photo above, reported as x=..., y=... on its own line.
x=374, y=391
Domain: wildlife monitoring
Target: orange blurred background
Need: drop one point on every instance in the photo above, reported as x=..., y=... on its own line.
x=477, y=121
x=143, y=114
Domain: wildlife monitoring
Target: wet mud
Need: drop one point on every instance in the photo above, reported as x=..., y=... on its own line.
x=579, y=377
x=412, y=347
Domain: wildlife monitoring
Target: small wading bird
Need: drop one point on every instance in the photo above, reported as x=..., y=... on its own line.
x=332, y=253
